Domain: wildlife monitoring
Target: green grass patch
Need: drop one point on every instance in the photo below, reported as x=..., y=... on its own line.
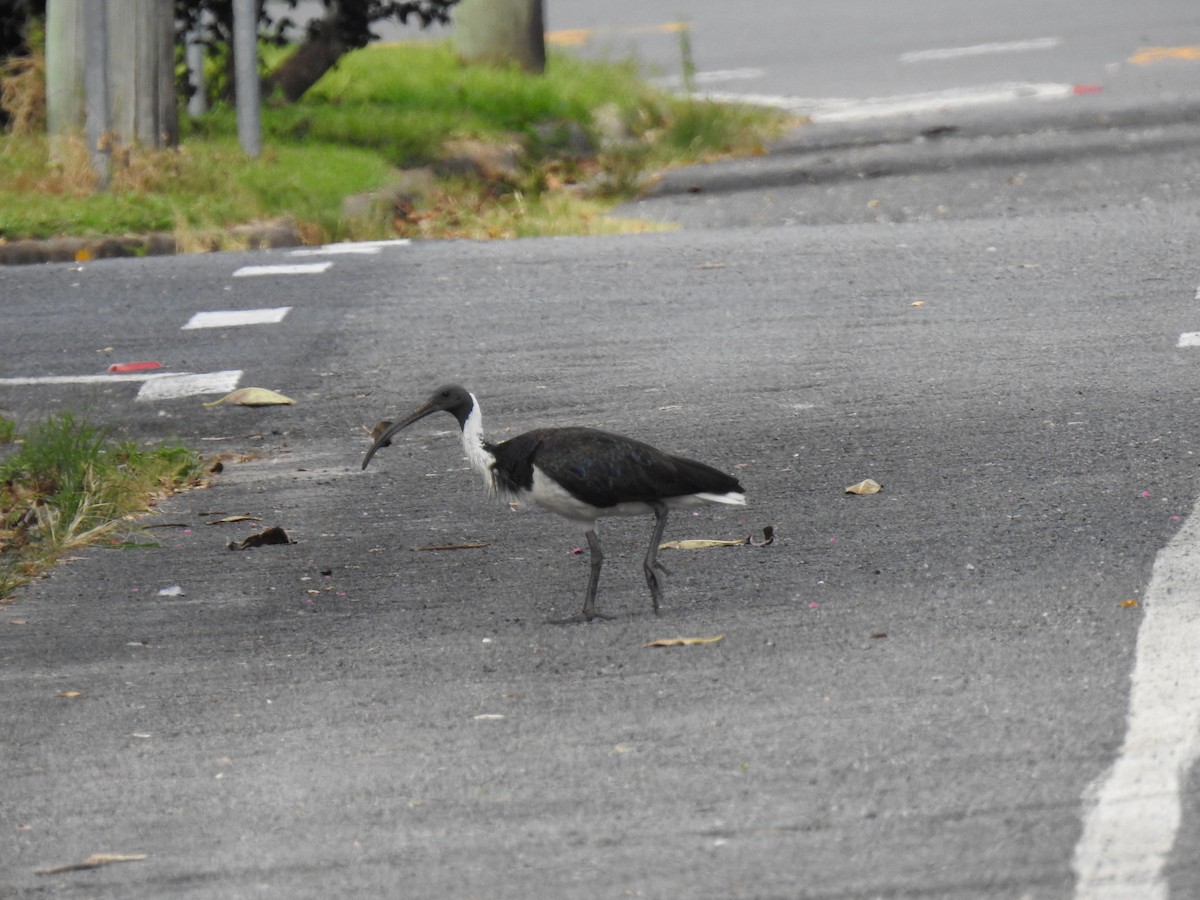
x=65, y=484
x=382, y=108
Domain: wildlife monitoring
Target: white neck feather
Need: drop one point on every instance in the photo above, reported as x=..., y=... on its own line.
x=472, y=442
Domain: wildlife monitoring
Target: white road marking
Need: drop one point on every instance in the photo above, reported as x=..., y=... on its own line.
x=172, y=387
x=227, y=318
x=1046, y=43
x=369, y=248
x=155, y=385
x=1132, y=811
x=283, y=269
x=712, y=76
x=837, y=109
x=1189, y=339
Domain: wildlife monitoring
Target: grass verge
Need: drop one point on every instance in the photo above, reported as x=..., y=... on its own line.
x=66, y=484
x=573, y=143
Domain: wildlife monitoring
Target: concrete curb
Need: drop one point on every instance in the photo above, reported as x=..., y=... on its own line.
x=82, y=249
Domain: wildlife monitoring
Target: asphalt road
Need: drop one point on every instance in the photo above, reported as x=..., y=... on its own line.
x=917, y=693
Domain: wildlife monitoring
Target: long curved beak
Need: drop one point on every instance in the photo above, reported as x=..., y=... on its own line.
x=384, y=439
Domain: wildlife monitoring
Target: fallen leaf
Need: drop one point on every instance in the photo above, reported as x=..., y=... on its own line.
x=70, y=695
x=228, y=519
x=272, y=535
x=252, y=396
x=700, y=544
x=1125, y=604
x=866, y=486
x=18, y=621
x=917, y=303
x=92, y=862
x=705, y=543
x=684, y=641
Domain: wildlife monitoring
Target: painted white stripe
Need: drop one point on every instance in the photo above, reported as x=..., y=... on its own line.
x=1132, y=811
x=34, y=380
x=1189, y=339
x=836, y=109
x=713, y=76
x=1046, y=43
x=155, y=385
x=174, y=386
x=364, y=247
x=283, y=269
x=228, y=318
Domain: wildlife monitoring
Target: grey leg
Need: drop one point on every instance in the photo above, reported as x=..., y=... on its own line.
x=651, y=563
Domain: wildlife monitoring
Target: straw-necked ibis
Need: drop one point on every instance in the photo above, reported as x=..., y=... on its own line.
x=582, y=474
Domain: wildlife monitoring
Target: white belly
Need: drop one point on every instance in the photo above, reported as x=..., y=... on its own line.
x=550, y=495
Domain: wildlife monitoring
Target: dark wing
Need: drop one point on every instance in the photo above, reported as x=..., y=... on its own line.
x=604, y=469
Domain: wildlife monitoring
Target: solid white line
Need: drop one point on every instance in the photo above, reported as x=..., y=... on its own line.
x=175, y=386
x=155, y=385
x=283, y=269
x=1189, y=339
x=836, y=109
x=227, y=318
x=35, y=380
x=1132, y=811
x=1046, y=43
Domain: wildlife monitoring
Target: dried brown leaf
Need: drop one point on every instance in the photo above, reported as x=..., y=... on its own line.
x=92, y=862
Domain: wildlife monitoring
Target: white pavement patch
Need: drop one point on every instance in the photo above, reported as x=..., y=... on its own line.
x=836, y=109
x=1189, y=339
x=171, y=387
x=283, y=269
x=1046, y=43
x=1132, y=812
x=228, y=318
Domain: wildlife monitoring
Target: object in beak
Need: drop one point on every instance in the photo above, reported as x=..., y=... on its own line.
x=385, y=438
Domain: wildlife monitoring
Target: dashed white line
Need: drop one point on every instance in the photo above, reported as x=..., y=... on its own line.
x=283, y=269
x=1045, y=43
x=368, y=248
x=1133, y=810
x=712, y=76
x=226, y=318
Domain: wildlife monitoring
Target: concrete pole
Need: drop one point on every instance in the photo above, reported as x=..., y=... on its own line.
x=98, y=127
x=194, y=56
x=245, y=73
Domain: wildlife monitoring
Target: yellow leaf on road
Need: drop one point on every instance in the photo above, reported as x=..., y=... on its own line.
x=684, y=641
x=253, y=396
x=699, y=544
x=866, y=486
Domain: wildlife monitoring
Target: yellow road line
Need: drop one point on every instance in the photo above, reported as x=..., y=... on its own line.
x=1148, y=55
x=575, y=37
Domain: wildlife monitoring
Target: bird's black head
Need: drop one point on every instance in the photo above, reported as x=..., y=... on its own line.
x=451, y=398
